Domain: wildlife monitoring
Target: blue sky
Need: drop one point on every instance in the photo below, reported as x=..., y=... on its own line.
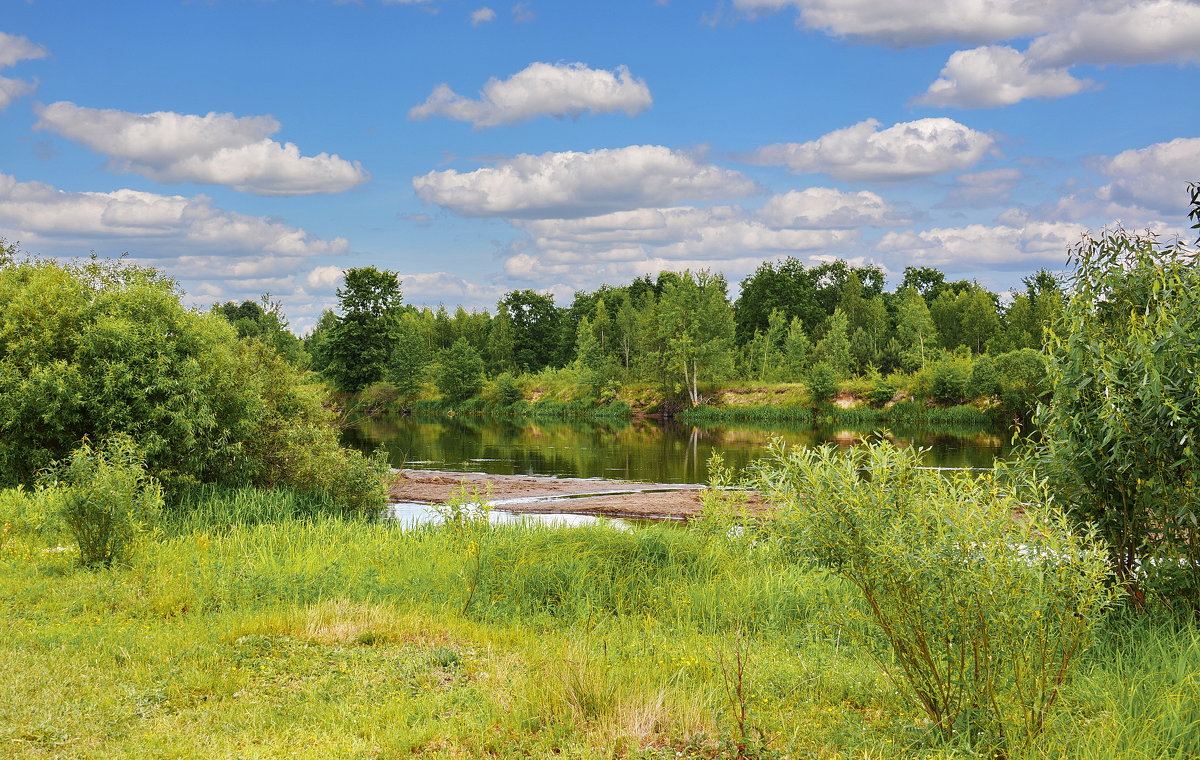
x=479, y=147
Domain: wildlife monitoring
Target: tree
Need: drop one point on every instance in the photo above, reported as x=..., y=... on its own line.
x=796, y=350
x=916, y=332
x=459, y=371
x=500, y=342
x=359, y=345
x=412, y=353
x=834, y=348
x=535, y=327
x=783, y=287
x=264, y=321
x=1119, y=428
x=697, y=327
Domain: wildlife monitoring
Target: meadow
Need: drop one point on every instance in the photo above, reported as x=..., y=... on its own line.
x=255, y=624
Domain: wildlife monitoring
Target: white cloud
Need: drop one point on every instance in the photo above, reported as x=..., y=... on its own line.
x=920, y=22
x=523, y=13
x=324, y=279
x=609, y=247
x=826, y=208
x=572, y=184
x=216, y=149
x=482, y=16
x=13, y=50
x=11, y=89
x=997, y=75
x=34, y=212
x=1154, y=177
x=906, y=150
x=541, y=89
x=432, y=288
x=980, y=247
x=1125, y=32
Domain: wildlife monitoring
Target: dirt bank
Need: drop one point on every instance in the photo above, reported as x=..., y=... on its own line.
x=611, y=498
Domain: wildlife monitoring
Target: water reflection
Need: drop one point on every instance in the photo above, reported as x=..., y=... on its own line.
x=411, y=514
x=645, y=450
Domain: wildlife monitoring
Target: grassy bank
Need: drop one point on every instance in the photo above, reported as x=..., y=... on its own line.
x=262, y=627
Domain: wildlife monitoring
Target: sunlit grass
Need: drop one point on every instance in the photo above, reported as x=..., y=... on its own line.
x=307, y=635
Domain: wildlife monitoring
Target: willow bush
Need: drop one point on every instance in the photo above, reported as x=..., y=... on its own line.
x=982, y=603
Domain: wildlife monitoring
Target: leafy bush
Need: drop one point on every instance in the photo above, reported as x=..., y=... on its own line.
x=459, y=371
x=1120, y=425
x=106, y=349
x=1021, y=380
x=822, y=382
x=106, y=499
x=949, y=378
x=505, y=390
x=982, y=602
x=985, y=379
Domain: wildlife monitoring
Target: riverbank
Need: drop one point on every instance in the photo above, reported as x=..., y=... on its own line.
x=545, y=494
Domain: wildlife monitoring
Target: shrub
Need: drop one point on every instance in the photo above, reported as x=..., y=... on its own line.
x=822, y=382
x=459, y=371
x=982, y=603
x=505, y=390
x=106, y=499
x=1021, y=380
x=949, y=378
x=985, y=379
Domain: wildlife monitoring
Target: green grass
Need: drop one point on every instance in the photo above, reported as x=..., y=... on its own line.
x=263, y=627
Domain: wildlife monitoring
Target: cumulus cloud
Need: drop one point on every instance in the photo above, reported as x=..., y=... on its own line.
x=523, y=13
x=919, y=22
x=978, y=247
x=906, y=150
x=1154, y=177
x=826, y=208
x=610, y=247
x=540, y=89
x=215, y=149
x=997, y=75
x=13, y=50
x=573, y=184
x=431, y=288
x=323, y=278
x=1128, y=32
x=34, y=211
x=482, y=16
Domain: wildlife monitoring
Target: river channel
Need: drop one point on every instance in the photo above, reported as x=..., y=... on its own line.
x=640, y=449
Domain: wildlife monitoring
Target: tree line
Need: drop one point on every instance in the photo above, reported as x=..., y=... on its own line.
x=681, y=333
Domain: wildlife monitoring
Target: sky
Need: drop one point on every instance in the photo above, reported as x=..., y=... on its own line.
x=248, y=147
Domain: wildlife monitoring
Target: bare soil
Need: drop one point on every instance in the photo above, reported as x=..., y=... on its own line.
x=610, y=498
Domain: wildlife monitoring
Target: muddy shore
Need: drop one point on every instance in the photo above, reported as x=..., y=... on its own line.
x=534, y=493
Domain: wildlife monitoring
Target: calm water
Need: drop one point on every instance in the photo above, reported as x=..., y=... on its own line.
x=645, y=450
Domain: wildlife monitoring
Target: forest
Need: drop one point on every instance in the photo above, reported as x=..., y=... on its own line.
x=674, y=341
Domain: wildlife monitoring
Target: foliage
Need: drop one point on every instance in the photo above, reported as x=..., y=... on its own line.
x=1021, y=380
x=535, y=325
x=822, y=382
x=981, y=612
x=950, y=378
x=459, y=371
x=359, y=343
x=105, y=349
x=696, y=328
x=264, y=321
x=1119, y=427
x=106, y=499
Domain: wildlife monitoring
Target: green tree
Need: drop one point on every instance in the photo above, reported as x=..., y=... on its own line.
x=916, y=332
x=359, y=345
x=697, y=327
x=264, y=321
x=834, y=348
x=796, y=350
x=783, y=287
x=535, y=326
x=459, y=371
x=500, y=342
x=412, y=353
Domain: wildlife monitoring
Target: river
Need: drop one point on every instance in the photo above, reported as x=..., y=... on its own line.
x=643, y=450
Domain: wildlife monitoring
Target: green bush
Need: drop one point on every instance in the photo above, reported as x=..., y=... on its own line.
x=949, y=379
x=505, y=391
x=1021, y=380
x=106, y=499
x=459, y=371
x=981, y=602
x=985, y=379
x=106, y=349
x=822, y=382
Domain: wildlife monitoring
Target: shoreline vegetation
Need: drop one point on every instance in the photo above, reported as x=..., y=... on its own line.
x=192, y=567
